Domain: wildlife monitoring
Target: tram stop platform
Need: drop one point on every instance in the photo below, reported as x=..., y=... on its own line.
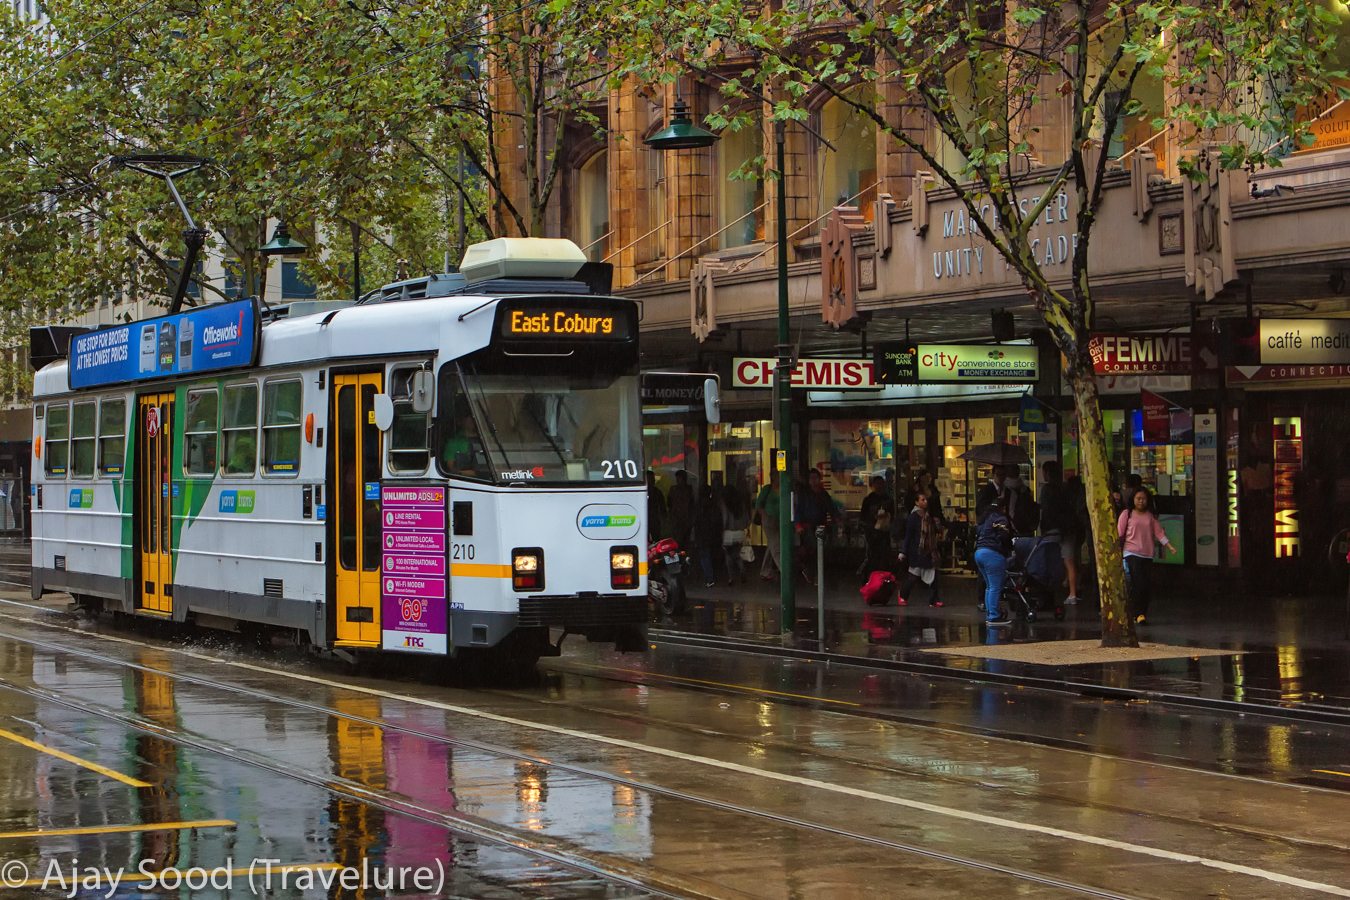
x=1285, y=656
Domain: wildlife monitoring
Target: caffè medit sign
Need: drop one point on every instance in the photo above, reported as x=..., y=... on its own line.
x=963, y=255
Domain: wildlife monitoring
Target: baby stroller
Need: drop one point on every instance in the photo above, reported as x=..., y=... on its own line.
x=1035, y=571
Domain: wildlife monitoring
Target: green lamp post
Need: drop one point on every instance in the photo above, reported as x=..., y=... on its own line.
x=683, y=134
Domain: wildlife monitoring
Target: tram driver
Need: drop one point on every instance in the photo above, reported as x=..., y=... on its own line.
x=462, y=450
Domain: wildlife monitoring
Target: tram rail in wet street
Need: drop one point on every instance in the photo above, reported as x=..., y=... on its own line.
x=609, y=778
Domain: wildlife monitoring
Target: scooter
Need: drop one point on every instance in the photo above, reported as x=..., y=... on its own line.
x=666, y=565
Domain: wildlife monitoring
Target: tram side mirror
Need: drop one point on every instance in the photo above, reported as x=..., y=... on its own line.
x=384, y=412
x=712, y=401
x=423, y=390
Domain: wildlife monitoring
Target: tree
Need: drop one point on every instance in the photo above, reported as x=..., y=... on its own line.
x=316, y=112
x=1242, y=78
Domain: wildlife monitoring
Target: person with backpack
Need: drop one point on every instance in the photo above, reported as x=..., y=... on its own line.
x=1140, y=533
x=993, y=546
x=875, y=519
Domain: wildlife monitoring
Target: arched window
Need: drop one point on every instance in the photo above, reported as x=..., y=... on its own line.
x=848, y=174
x=590, y=207
x=741, y=206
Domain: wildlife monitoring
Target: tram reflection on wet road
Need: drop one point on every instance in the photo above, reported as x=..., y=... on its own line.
x=689, y=775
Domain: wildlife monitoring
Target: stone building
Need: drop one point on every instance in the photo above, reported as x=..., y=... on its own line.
x=1177, y=268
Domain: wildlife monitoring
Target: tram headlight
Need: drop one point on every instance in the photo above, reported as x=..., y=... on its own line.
x=527, y=569
x=623, y=572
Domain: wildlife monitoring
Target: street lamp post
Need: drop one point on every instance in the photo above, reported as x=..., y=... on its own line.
x=682, y=134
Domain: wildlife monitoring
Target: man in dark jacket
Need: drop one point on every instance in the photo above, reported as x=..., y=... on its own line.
x=875, y=519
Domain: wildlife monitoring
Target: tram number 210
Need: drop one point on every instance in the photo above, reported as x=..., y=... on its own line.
x=619, y=468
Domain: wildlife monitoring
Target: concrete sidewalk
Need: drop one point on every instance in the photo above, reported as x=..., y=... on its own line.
x=1290, y=654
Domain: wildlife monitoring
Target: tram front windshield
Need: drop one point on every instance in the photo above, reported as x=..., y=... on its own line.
x=556, y=427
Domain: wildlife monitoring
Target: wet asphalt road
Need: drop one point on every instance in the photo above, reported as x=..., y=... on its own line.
x=684, y=774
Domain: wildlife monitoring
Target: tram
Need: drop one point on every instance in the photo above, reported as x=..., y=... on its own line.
x=453, y=463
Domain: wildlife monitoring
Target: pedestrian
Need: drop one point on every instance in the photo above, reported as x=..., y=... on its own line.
x=993, y=546
x=989, y=491
x=1059, y=520
x=1022, y=508
x=656, y=509
x=1140, y=533
x=680, y=504
x=875, y=519
x=919, y=558
x=707, y=531
x=1079, y=535
x=1134, y=483
x=815, y=510
x=735, y=520
x=767, y=508
x=923, y=484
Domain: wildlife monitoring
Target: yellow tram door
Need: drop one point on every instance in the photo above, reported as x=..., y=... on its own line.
x=154, y=503
x=357, y=453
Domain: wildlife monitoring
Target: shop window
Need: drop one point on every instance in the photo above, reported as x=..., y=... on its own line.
x=281, y=427
x=408, y=435
x=670, y=448
x=848, y=174
x=57, y=449
x=200, y=432
x=741, y=206
x=590, y=207
x=83, y=422
x=112, y=436
x=240, y=429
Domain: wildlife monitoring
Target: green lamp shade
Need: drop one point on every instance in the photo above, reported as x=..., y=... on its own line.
x=681, y=133
x=282, y=244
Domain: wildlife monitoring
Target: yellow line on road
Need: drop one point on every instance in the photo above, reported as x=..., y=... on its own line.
x=136, y=877
x=722, y=684
x=91, y=766
x=118, y=829
x=1332, y=772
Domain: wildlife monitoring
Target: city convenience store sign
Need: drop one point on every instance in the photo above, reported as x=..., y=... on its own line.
x=935, y=364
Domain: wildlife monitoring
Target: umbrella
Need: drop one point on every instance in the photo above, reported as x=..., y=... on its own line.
x=999, y=453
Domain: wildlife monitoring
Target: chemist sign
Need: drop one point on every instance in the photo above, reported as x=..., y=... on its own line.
x=208, y=339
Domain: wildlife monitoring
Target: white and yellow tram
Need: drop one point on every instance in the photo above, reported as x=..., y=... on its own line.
x=453, y=463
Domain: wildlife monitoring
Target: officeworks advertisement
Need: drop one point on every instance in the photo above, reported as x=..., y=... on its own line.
x=220, y=336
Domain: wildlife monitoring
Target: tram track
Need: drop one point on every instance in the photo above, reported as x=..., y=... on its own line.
x=619, y=872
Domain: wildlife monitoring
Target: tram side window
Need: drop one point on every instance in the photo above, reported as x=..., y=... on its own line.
x=408, y=437
x=112, y=436
x=461, y=444
x=83, y=419
x=200, y=432
x=241, y=429
x=58, y=439
x=281, y=427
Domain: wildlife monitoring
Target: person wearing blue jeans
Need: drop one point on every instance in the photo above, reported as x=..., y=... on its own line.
x=993, y=545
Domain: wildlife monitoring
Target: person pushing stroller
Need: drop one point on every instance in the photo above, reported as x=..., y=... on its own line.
x=993, y=545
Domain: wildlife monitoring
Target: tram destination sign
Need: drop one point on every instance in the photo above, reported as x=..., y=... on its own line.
x=208, y=339
x=566, y=323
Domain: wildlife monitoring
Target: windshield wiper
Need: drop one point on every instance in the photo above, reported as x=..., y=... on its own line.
x=492, y=426
x=543, y=429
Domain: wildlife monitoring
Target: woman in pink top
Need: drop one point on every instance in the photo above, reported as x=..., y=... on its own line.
x=1140, y=533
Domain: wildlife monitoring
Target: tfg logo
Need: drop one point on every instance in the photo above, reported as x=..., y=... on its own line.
x=414, y=643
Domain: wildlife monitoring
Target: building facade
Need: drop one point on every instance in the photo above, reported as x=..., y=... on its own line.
x=1244, y=453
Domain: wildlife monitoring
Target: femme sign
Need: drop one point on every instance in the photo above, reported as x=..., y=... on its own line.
x=1141, y=354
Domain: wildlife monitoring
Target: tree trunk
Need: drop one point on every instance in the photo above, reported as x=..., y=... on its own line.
x=1117, y=628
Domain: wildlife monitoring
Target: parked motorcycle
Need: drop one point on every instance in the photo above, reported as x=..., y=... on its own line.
x=666, y=565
